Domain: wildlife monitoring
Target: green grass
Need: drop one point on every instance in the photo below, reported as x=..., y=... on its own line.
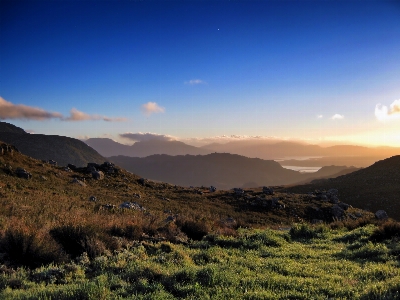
x=256, y=264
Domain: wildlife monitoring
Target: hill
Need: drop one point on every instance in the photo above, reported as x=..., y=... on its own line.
x=63, y=150
x=223, y=170
x=77, y=235
x=108, y=147
x=372, y=188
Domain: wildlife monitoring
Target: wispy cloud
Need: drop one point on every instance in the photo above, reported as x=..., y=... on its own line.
x=140, y=137
x=151, y=108
x=195, y=81
x=76, y=115
x=320, y=116
x=9, y=110
x=337, y=117
x=384, y=113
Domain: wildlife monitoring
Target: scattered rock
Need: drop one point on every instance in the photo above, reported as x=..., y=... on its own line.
x=98, y=175
x=81, y=183
x=22, y=173
x=52, y=162
x=132, y=205
x=337, y=212
x=238, y=191
x=212, y=189
x=92, y=198
x=344, y=206
x=381, y=215
x=267, y=190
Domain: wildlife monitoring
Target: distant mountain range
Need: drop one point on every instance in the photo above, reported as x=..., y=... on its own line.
x=108, y=147
x=362, y=156
x=63, y=150
x=371, y=188
x=223, y=170
x=288, y=152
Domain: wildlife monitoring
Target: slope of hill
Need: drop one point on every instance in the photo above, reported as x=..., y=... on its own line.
x=372, y=188
x=66, y=235
x=63, y=150
x=108, y=147
x=222, y=170
x=328, y=172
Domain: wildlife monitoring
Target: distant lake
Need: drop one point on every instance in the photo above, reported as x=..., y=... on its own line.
x=297, y=158
x=303, y=169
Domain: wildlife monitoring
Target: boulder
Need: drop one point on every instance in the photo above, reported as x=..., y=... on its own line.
x=212, y=189
x=337, y=212
x=381, y=215
x=344, y=206
x=267, y=190
x=22, y=173
x=92, y=198
x=132, y=205
x=76, y=181
x=98, y=175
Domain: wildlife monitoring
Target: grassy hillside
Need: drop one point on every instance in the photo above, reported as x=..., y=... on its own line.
x=373, y=188
x=73, y=240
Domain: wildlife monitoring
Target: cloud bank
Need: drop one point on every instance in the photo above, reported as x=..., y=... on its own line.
x=142, y=137
x=151, y=108
x=195, y=81
x=9, y=110
x=383, y=113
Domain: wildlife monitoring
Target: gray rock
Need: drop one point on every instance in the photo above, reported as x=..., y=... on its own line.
x=92, y=198
x=22, y=173
x=334, y=199
x=337, y=211
x=267, y=190
x=344, y=206
x=76, y=181
x=381, y=215
x=98, y=175
x=212, y=189
x=132, y=205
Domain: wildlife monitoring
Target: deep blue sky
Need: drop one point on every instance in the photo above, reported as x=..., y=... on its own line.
x=253, y=68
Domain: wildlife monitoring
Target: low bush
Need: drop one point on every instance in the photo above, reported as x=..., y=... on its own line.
x=24, y=248
x=195, y=230
x=386, y=231
x=78, y=239
x=307, y=231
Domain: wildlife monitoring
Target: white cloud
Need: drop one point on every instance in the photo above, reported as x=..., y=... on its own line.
x=195, y=81
x=320, y=116
x=9, y=110
x=151, y=108
x=383, y=113
x=76, y=115
x=140, y=137
x=337, y=117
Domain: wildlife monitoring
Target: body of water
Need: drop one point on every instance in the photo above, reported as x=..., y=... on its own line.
x=302, y=169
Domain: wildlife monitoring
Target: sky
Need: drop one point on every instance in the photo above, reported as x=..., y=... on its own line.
x=202, y=71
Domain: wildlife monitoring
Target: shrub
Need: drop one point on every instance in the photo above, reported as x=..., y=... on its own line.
x=306, y=231
x=386, y=231
x=23, y=248
x=78, y=239
x=132, y=232
x=195, y=230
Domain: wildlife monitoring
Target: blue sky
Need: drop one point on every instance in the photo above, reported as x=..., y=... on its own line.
x=307, y=70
